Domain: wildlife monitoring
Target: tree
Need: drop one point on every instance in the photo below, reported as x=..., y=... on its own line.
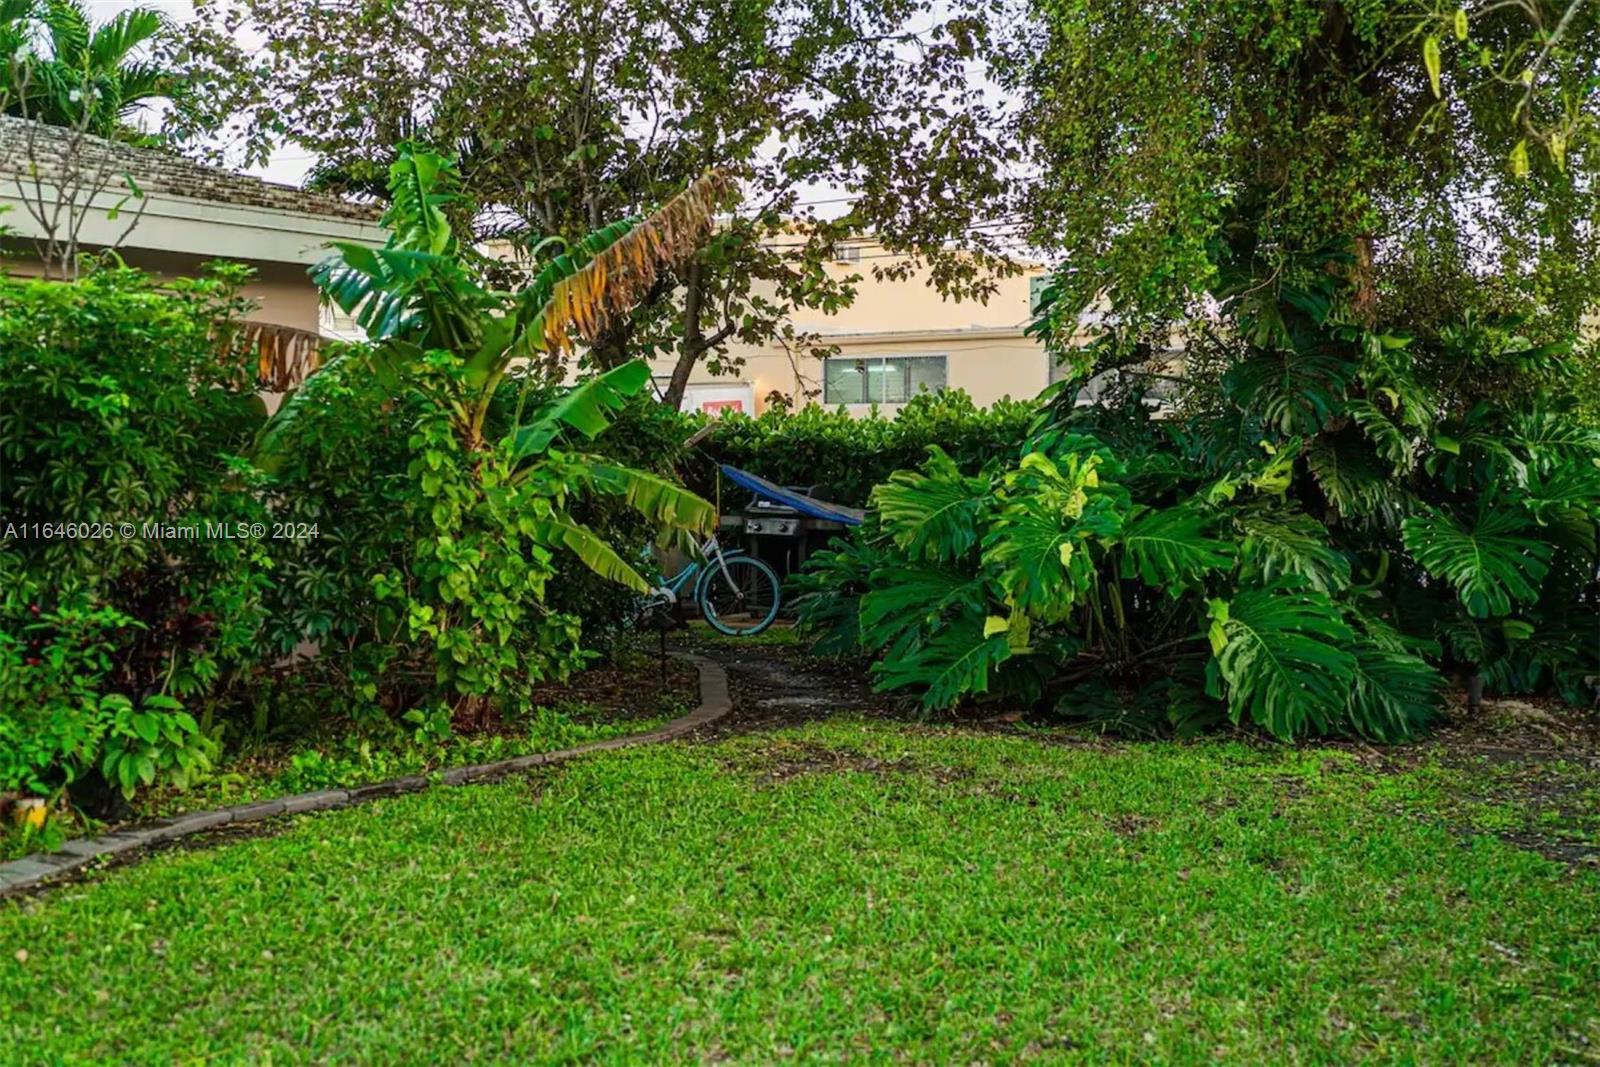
x=1452, y=151
x=60, y=70
x=65, y=176
x=73, y=86
x=423, y=301
x=568, y=112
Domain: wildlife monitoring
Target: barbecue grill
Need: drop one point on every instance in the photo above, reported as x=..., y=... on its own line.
x=783, y=524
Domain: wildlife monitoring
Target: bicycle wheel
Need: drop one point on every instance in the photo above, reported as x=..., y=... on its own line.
x=743, y=601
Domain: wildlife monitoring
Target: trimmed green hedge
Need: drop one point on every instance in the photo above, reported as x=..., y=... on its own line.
x=848, y=455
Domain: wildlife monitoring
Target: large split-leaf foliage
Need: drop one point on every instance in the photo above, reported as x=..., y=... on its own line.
x=1320, y=530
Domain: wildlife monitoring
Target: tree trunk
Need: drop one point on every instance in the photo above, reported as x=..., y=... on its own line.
x=693, y=336
x=1363, y=278
x=610, y=348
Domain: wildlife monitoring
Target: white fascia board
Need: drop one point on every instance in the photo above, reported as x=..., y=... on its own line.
x=208, y=228
x=973, y=333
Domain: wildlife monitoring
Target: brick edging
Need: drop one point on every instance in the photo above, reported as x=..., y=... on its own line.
x=35, y=870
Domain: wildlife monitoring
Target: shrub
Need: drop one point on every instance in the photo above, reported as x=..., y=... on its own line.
x=431, y=576
x=125, y=408
x=851, y=455
x=1586, y=383
x=1343, y=514
x=345, y=470
x=462, y=509
x=343, y=473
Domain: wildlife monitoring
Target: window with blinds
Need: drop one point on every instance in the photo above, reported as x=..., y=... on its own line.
x=880, y=379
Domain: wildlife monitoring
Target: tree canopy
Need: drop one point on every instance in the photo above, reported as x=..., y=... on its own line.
x=1453, y=151
x=568, y=112
x=58, y=68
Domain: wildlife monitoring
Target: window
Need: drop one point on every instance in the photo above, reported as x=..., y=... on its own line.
x=847, y=253
x=1036, y=287
x=880, y=379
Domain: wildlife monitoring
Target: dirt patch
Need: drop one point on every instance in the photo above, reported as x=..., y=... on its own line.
x=637, y=686
x=1528, y=773
x=1131, y=825
x=778, y=686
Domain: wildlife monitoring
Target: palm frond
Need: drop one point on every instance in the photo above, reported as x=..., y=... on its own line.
x=416, y=286
x=400, y=292
x=67, y=22
x=115, y=41
x=138, y=82
x=16, y=18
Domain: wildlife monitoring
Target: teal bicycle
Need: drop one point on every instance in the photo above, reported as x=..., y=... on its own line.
x=736, y=592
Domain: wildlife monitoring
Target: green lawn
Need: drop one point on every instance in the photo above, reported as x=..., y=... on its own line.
x=840, y=890
x=327, y=752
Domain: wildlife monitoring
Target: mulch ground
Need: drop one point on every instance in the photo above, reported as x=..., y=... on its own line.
x=637, y=685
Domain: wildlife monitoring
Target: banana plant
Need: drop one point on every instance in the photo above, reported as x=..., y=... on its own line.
x=424, y=291
x=424, y=298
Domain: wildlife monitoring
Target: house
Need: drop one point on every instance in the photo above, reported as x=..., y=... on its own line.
x=895, y=339
x=169, y=215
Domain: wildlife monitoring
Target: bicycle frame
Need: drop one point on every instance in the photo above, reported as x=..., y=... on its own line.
x=697, y=572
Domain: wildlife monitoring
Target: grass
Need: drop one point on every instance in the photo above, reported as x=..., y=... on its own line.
x=353, y=759
x=780, y=634
x=323, y=752
x=842, y=890
x=344, y=759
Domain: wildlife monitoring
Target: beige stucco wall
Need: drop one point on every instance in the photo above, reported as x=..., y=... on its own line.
x=282, y=292
x=989, y=365
x=985, y=350
x=913, y=304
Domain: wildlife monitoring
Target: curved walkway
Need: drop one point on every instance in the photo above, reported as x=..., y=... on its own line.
x=36, y=870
